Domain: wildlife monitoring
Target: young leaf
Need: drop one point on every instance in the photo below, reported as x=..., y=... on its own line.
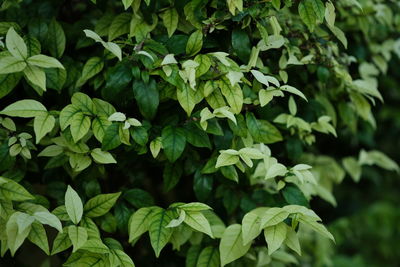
x=231, y=245
x=42, y=125
x=273, y=216
x=49, y=219
x=73, y=204
x=44, y=62
x=11, y=65
x=233, y=95
x=197, y=221
x=251, y=224
x=24, y=108
x=275, y=235
x=16, y=45
x=36, y=76
x=102, y=157
x=15, y=237
x=100, y=205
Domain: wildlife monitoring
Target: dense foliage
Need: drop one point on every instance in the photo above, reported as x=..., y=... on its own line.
x=196, y=132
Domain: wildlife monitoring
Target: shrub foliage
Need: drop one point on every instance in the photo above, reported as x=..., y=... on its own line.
x=198, y=124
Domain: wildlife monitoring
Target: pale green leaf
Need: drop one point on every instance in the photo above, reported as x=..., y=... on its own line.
x=139, y=222
x=251, y=224
x=195, y=42
x=102, y=157
x=197, y=221
x=231, y=245
x=16, y=45
x=275, y=235
x=73, y=204
x=36, y=76
x=11, y=64
x=49, y=219
x=78, y=236
x=44, y=62
x=24, y=108
x=42, y=125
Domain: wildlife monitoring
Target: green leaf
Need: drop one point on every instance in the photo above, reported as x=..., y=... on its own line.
x=197, y=221
x=147, y=97
x=73, y=204
x=15, y=237
x=16, y=45
x=45, y=217
x=99, y=127
x=292, y=240
x=170, y=19
x=139, y=222
x=66, y=115
x=8, y=83
x=38, y=236
x=316, y=226
x=241, y=44
x=61, y=242
x=42, y=125
x=233, y=95
x=55, y=78
x=159, y=233
x=319, y=9
x=171, y=175
x=11, y=64
x=101, y=204
x=95, y=246
x=92, y=67
x=173, y=142
x=307, y=14
x=24, y=108
x=124, y=259
x=275, y=235
x=194, y=44
x=226, y=159
x=36, y=76
x=251, y=224
x=83, y=102
x=209, y=257
x=44, y=62
x=127, y=3
x=231, y=246
x=196, y=137
x=262, y=131
x=80, y=125
x=78, y=236
x=13, y=191
x=111, y=138
x=186, y=98
x=55, y=39
x=120, y=25
x=102, y=157
x=273, y=216
x=293, y=90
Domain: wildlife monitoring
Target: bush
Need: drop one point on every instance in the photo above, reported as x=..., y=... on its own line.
x=129, y=126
